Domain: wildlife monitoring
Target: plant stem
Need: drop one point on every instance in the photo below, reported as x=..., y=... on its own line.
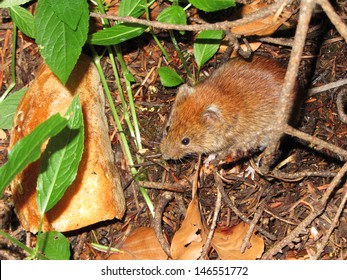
x=124, y=142
x=114, y=111
x=173, y=39
x=23, y=247
x=13, y=64
x=128, y=77
x=165, y=53
x=121, y=93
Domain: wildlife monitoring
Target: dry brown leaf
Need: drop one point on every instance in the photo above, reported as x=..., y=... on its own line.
x=261, y=27
x=188, y=241
x=142, y=244
x=227, y=243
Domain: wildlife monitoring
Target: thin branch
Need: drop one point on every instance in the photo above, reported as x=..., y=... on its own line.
x=213, y=225
x=298, y=176
x=277, y=41
x=316, y=141
x=326, y=87
x=257, y=215
x=164, y=199
x=180, y=186
x=271, y=9
x=341, y=101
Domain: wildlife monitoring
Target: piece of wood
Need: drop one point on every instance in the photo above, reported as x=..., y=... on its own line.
x=96, y=194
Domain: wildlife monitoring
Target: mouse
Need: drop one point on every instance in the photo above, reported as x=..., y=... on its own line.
x=231, y=111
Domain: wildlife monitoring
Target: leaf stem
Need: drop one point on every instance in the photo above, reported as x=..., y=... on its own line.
x=13, y=64
x=165, y=53
x=128, y=77
x=184, y=62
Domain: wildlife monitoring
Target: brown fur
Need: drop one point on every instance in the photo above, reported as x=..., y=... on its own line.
x=232, y=110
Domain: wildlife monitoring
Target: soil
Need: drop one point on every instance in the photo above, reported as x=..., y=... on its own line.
x=289, y=200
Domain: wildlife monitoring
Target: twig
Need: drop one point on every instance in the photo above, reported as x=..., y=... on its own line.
x=230, y=178
x=278, y=41
x=318, y=210
x=271, y=9
x=180, y=186
x=280, y=218
x=213, y=224
x=300, y=175
x=316, y=141
x=241, y=215
x=156, y=221
x=333, y=224
x=252, y=225
x=316, y=90
x=341, y=102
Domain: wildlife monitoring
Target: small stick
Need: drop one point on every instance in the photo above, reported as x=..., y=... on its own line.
x=156, y=221
x=252, y=225
x=326, y=87
x=340, y=101
x=213, y=224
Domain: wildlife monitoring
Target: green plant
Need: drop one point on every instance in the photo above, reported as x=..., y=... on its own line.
x=58, y=169
x=60, y=29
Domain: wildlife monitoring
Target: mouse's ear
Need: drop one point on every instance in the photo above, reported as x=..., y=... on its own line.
x=183, y=93
x=212, y=113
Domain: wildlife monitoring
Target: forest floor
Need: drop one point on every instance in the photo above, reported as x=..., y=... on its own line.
x=287, y=201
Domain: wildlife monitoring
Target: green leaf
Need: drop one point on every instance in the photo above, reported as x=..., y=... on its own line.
x=28, y=149
x=168, y=77
x=59, y=45
x=116, y=34
x=132, y=8
x=206, y=45
x=68, y=11
x=54, y=245
x=174, y=15
x=8, y=108
x=61, y=159
x=24, y=20
x=212, y=6
x=11, y=3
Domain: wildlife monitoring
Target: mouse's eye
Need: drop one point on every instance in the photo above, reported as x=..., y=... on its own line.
x=185, y=141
